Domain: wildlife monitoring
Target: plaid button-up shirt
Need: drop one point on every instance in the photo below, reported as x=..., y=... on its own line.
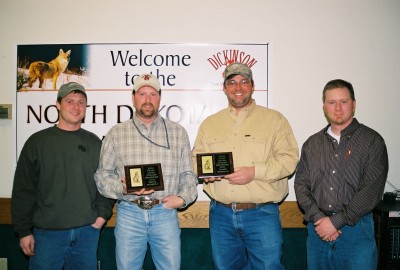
x=132, y=143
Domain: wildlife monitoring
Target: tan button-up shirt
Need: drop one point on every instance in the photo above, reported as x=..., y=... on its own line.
x=257, y=136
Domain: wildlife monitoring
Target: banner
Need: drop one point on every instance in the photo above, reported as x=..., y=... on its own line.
x=190, y=77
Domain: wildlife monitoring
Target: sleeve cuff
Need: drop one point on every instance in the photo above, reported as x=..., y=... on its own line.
x=184, y=202
x=338, y=221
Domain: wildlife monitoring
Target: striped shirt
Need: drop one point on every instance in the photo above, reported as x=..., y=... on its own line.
x=132, y=143
x=346, y=178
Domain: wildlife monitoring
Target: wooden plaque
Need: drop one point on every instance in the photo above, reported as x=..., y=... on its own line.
x=148, y=176
x=214, y=164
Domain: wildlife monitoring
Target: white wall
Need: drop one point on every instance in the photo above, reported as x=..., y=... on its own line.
x=311, y=42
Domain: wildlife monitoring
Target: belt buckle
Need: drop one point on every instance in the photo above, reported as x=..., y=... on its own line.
x=234, y=208
x=146, y=202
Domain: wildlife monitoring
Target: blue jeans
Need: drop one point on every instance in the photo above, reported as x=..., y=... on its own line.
x=135, y=228
x=73, y=249
x=246, y=239
x=355, y=249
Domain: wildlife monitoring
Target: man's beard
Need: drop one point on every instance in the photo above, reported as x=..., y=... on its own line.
x=241, y=103
x=147, y=113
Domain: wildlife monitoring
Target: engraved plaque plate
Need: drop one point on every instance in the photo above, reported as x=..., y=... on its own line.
x=214, y=164
x=147, y=176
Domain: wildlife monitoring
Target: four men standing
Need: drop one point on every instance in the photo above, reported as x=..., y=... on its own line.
x=339, y=180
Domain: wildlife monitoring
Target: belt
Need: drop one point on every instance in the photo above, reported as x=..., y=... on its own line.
x=146, y=202
x=243, y=206
x=329, y=213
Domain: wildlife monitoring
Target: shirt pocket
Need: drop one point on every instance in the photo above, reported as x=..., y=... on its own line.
x=255, y=146
x=216, y=143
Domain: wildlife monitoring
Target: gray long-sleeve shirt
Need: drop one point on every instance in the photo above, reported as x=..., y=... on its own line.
x=346, y=178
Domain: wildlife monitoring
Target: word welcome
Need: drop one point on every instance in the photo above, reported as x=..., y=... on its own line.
x=141, y=59
x=149, y=60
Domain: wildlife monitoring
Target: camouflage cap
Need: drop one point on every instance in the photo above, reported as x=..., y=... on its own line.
x=67, y=88
x=146, y=79
x=238, y=69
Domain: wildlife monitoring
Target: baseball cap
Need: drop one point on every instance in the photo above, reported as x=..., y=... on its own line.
x=67, y=88
x=238, y=69
x=147, y=79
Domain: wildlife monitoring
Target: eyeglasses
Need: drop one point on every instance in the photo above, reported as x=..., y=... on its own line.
x=232, y=83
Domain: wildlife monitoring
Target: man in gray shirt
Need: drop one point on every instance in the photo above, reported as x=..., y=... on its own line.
x=147, y=216
x=340, y=179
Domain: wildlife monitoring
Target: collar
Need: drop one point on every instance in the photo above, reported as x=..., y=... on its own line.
x=246, y=110
x=348, y=131
x=141, y=125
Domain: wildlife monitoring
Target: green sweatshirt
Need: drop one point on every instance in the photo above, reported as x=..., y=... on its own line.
x=54, y=185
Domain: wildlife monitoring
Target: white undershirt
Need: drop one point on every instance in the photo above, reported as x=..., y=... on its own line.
x=330, y=132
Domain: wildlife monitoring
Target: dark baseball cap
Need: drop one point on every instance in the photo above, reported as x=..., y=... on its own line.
x=67, y=88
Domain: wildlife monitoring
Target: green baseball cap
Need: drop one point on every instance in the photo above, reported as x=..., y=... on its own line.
x=67, y=88
x=238, y=69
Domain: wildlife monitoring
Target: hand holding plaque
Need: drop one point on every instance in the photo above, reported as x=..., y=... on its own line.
x=214, y=164
x=147, y=176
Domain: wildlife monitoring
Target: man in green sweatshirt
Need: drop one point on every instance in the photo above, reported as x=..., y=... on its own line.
x=56, y=208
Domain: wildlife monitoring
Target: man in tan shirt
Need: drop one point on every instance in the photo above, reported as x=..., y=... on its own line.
x=244, y=214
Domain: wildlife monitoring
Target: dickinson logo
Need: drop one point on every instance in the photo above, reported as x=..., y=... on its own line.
x=227, y=57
